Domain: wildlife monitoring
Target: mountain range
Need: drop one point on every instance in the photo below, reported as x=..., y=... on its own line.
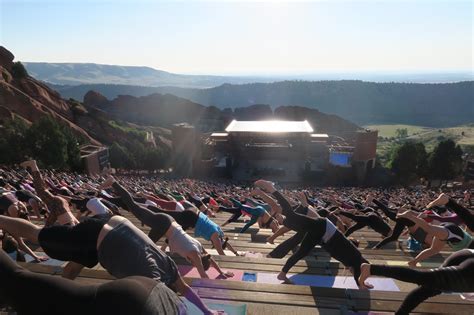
x=91, y=73
x=431, y=105
x=424, y=104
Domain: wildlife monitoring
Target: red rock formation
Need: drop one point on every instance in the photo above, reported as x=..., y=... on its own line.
x=31, y=99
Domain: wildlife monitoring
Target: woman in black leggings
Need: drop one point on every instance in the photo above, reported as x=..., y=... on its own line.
x=311, y=232
x=456, y=274
x=131, y=295
x=372, y=220
x=121, y=248
x=163, y=225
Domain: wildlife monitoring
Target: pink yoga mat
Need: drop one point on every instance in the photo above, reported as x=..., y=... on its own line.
x=381, y=284
x=192, y=272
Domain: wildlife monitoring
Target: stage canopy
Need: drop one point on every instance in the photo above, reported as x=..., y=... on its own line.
x=274, y=126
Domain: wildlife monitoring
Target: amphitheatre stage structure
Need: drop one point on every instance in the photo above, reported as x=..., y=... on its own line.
x=277, y=149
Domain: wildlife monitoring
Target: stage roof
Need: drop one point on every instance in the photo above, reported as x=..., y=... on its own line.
x=273, y=126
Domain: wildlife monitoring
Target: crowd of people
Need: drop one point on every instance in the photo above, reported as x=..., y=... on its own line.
x=79, y=219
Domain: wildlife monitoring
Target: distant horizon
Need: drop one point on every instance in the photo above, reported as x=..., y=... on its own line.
x=276, y=72
x=362, y=75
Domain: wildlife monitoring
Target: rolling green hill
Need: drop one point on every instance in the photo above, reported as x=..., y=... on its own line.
x=462, y=135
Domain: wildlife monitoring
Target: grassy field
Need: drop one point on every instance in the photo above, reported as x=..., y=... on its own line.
x=462, y=135
x=388, y=131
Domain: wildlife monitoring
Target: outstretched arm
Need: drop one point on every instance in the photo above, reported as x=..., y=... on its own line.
x=273, y=204
x=249, y=224
x=282, y=230
x=189, y=293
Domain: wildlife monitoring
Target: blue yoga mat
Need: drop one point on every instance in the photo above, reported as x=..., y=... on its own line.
x=49, y=262
x=229, y=309
x=249, y=277
x=382, y=284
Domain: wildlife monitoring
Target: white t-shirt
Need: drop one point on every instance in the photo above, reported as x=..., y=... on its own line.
x=330, y=230
x=95, y=206
x=151, y=203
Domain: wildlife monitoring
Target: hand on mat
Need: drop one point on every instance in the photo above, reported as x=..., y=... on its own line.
x=440, y=201
x=227, y=274
x=412, y=263
x=39, y=259
x=364, y=274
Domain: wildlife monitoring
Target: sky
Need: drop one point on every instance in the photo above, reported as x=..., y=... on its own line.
x=244, y=37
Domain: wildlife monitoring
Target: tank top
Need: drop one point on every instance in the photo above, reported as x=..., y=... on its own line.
x=182, y=243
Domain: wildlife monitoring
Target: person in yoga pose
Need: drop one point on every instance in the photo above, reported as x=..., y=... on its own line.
x=58, y=207
x=163, y=225
x=456, y=274
x=256, y=213
x=371, y=219
x=31, y=199
x=130, y=295
x=120, y=247
x=162, y=203
x=466, y=216
x=202, y=225
x=311, y=232
x=12, y=207
x=446, y=233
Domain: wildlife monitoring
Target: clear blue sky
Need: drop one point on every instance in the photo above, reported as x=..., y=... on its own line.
x=244, y=36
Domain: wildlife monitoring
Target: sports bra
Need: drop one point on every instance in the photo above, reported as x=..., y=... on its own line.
x=457, y=238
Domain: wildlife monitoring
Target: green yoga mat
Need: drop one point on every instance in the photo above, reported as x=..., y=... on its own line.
x=405, y=264
x=229, y=309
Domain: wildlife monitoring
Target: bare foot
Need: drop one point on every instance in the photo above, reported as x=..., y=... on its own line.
x=28, y=164
x=364, y=274
x=440, y=201
x=282, y=276
x=108, y=182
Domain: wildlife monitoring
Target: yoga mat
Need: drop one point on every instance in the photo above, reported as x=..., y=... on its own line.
x=230, y=309
x=381, y=284
x=405, y=264
x=253, y=255
x=249, y=277
x=49, y=262
x=192, y=272
x=227, y=252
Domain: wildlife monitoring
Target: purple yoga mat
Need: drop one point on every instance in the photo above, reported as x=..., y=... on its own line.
x=381, y=284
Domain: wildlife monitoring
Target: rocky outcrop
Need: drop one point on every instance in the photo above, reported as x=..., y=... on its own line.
x=31, y=100
x=165, y=110
x=93, y=98
x=6, y=58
